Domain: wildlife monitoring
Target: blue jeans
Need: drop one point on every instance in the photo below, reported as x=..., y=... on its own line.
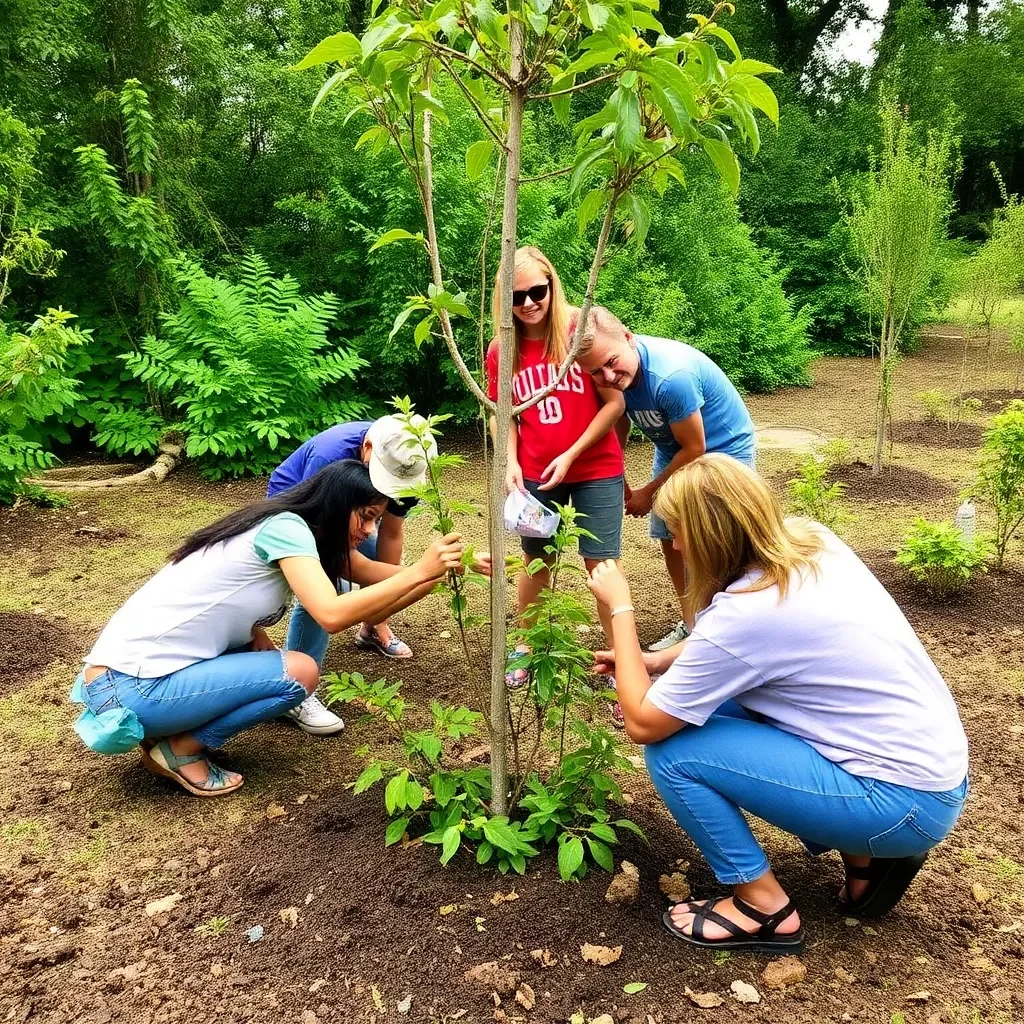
x=212, y=699
x=305, y=634
x=707, y=774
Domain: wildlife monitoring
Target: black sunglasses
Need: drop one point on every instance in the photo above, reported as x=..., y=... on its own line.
x=538, y=293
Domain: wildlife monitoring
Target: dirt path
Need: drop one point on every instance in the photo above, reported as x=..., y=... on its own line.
x=87, y=843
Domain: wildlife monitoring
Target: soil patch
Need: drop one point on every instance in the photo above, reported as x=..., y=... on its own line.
x=935, y=433
x=995, y=400
x=894, y=483
x=30, y=643
x=990, y=603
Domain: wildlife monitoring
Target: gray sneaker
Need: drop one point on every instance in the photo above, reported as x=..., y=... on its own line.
x=679, y=632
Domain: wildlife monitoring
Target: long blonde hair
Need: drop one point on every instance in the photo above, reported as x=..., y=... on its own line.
x=729, y=521
x=556, y=338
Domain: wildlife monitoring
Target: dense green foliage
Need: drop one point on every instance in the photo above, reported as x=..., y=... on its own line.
x=1000, y=480
x=939, y=557
x=160, y=132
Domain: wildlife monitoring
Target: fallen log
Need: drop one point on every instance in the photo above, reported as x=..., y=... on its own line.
x=169, y=455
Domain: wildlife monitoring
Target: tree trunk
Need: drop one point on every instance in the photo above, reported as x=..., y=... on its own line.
x=884, y=383
x=503, y=416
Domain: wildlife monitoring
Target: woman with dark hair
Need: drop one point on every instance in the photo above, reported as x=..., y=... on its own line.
x=186, y=663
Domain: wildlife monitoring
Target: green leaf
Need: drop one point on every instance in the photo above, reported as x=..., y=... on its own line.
x=413, y=795
x=644, y=20
x=604, y=831
x=478, y=156
x=484, y=852
x=628, y=79
x=489, y=22
x=394, y=794
x=570, y=857
x=541, y=6
x=444, y=788
x=372, y=134
x=450, y=843
x=431, y=746
x=394, y=235
x=760, y=94
x=633, y=987
x=591, y=206
x=725, y=162
x=627, y=122
x=601, y=854
x=630, y=826
x=597, y=16
x=586, y=160
x=750, y=67
x=369, y=775
x=726, y=36
x=395, y=831
x=641, y=215
x=343, y=48
x=538, y=23
x=400, y=320
x=671, y=76
x=499, y=833
x=422, y=331
x=328, y=87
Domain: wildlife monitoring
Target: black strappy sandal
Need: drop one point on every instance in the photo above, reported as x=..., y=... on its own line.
x=888, y=879
x=764, y=940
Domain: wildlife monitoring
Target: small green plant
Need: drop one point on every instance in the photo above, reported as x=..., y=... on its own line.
x=812, y=495
x=562, y=786
x=215, y=927
x=249, y=365
x=941, y=407
x=938, y=556
x=837, y=451
x=1000, y=480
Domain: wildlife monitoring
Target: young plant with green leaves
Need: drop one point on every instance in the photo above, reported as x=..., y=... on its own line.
x=1000, y=482
x=940, y=558
x=811, y=494
x=897, y=223
x=666, y=97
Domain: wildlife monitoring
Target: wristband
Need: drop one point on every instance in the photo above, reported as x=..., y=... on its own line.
x=621, y=608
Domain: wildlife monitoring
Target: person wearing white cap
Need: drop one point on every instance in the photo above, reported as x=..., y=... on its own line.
x=394, y=466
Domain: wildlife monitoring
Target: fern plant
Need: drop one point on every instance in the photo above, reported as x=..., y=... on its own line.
x=249, y=366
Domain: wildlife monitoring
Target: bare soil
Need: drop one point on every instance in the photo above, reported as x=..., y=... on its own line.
x=938, y=434
x=87, y=843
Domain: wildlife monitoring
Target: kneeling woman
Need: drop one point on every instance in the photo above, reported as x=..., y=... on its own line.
x=803, y=696
x=185, y=663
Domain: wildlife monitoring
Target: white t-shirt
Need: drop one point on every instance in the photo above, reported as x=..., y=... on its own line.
x=835, y=663
x=206, y=604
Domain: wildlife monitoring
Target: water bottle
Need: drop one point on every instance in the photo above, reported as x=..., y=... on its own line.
x=965, y=516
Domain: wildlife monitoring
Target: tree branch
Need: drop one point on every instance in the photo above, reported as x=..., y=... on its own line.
x=550, y=174
x=575, y=88
x=427, y=193
x=481, y=116
x=588, y=301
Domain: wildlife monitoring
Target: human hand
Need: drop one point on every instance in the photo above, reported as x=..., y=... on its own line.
x=442, y=555
x=627, y=492
x=482, y=563
x=556, y=471
x=608, y=584
x=260, y=640
x=639, y=502
x=514, y=478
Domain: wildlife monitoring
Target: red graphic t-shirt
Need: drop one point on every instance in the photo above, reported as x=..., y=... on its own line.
x=555, y=423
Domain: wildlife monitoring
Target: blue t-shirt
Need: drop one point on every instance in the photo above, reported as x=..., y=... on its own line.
x=345, y=441
x=674, y=381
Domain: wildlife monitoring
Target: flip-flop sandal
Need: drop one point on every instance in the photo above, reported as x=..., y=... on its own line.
x=516, y=678
x=394, y=648
x=888, y=879
x=764, y=940
x=161, y=760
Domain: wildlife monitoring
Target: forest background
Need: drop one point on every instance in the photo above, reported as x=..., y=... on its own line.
x=162, y=180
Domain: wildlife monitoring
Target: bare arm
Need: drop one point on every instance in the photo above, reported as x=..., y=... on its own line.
x=390, y=539
x=607, y=416
x=376, y=601
x=622, y=429
x=689, y=435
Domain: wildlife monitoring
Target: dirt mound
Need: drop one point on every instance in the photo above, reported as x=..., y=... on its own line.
x=935, y=433
x=894, y=483
x=30, y=643
x=995, y=400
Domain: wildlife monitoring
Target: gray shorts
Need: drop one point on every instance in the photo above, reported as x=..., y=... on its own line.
x=658, y=528
x=600, y=501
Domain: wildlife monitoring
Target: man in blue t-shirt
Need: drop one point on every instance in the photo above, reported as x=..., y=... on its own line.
x=681, y=400
x=394, y=466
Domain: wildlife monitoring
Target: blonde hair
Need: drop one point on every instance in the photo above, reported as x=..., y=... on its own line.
x=556, y=338
x=600, y=321
x=729, y=521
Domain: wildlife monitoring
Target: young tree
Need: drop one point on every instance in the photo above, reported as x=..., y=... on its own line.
x=896, y=225
x=665, y=98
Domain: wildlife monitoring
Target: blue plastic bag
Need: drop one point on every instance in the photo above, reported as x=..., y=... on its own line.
x=114, y=731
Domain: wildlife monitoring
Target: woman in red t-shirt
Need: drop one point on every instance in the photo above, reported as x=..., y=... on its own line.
x=562, y=449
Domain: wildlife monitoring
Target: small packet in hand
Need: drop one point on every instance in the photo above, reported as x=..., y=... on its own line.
x=528, y=517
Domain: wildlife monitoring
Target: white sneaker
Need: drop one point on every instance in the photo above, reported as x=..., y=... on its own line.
x=311, y=716
x=679, y=632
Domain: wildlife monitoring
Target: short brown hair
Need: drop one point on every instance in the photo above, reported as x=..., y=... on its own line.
x=599, y=321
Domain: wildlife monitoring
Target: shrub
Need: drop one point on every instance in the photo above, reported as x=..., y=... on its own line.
x=1000, y=480
x=836, y=452
x=33, y=386
x=938, y=556
x=941, y=407
x=250, y=367
x=812, y=495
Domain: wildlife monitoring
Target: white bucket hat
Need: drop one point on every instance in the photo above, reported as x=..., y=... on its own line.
x=395, y=463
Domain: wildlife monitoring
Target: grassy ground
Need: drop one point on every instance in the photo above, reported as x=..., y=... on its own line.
x=87, y=842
